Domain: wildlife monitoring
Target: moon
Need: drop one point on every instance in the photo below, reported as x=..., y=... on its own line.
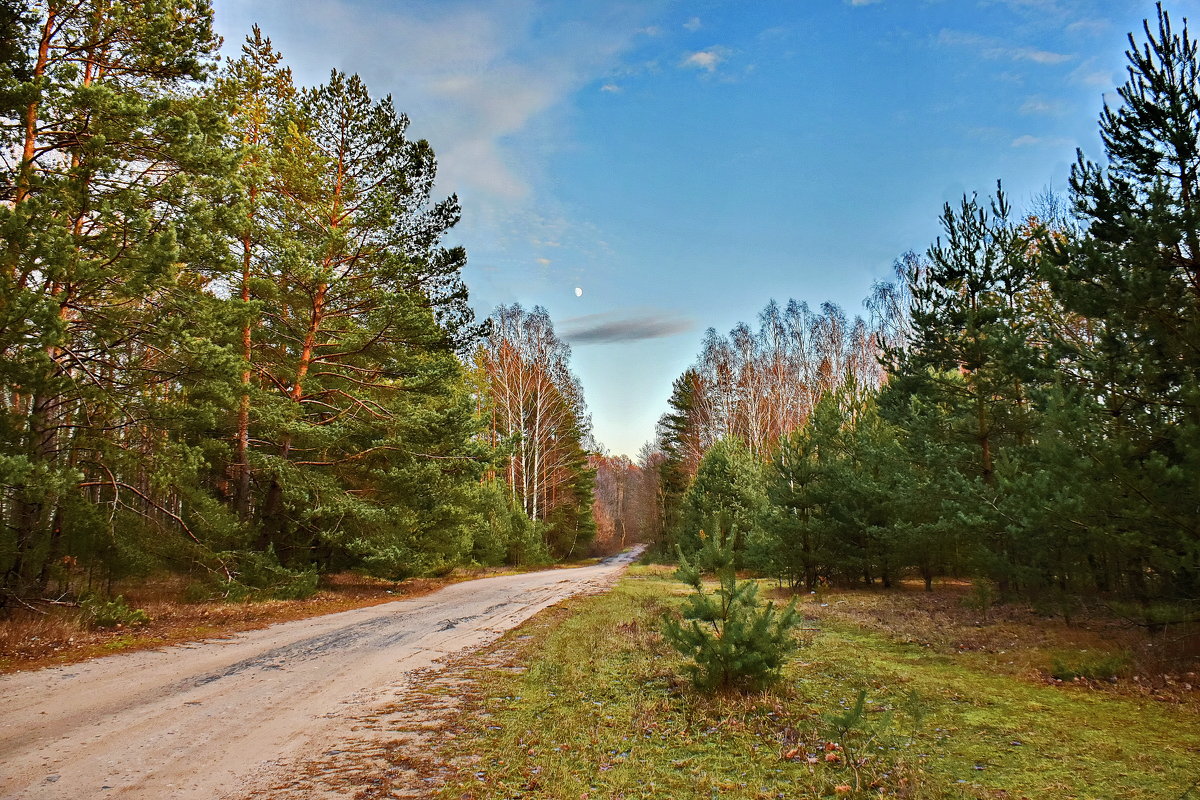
x=578, y=292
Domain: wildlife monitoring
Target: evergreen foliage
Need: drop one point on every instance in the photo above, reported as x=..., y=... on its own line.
x=727, y=491
x=232, y=338
x=681, y=441
x=1039, y=425
x=732, y=641
x=1133, y=280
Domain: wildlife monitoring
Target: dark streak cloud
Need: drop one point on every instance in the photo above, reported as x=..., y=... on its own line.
x=611, y=328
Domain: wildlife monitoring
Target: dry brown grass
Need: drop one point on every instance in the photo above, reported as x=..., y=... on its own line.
x=41, y=634
x=1018, y=638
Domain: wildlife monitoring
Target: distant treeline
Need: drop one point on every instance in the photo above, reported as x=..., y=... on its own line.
x=232, y=341
x=1036, y=420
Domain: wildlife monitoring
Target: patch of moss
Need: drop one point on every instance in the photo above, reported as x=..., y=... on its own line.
x=120, y=643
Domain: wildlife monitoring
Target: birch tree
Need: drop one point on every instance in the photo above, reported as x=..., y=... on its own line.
x=535, y=410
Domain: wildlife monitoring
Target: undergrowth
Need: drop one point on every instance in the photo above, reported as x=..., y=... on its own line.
x=99, y=612
x=597, y=708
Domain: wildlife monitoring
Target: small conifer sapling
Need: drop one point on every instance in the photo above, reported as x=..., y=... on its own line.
x=733, y=643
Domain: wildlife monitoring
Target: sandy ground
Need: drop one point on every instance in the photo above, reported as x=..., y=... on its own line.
x=219, y=719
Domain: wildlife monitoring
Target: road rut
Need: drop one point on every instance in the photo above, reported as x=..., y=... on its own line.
x=212, y=719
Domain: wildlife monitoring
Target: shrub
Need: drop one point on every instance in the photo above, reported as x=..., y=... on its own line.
x=101, y=613
x=1095, y=666
x=1157, y=616
x=732, y=642
x=981, y=597
x=255, y=576
x=852, y=729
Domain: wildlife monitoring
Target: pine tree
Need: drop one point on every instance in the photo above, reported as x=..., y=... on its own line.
x=970, y=353
x=934, y=493
x=793, y=546
x=862, y=471
x=683, y=436
x=118, y=156
x=16, y=27
x=969, y=342
x=732, y=642
x=370, y=457
x=833, y=498
x=1134, y=275
x=273, y=178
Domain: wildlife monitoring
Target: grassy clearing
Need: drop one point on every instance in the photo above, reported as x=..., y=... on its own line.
x=597, y=711
x=1025, y=640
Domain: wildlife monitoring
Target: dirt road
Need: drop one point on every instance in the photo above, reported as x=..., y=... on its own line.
x=211, y=719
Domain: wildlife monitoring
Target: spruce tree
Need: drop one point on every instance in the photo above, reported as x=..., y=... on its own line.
x=728, y=488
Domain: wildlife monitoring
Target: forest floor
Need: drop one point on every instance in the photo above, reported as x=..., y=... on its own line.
x=42, y=634
x=964, y=699
x=586, y=701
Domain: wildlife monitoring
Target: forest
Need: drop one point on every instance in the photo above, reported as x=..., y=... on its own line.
x=1020, y=405
x=235, y=344
x=945, y=545
x=233, y=341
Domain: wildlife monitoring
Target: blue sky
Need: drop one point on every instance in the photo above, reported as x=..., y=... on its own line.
x=685, y=161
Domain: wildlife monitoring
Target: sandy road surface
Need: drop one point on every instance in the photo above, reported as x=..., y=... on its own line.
x=210, y=719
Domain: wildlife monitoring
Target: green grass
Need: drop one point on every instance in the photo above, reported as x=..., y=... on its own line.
x=598, y=711
x=998, y=732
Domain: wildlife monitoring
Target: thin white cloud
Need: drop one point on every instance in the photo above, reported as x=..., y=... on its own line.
x=1080, y=19
x=693, y=24
x=545, y=262
x=610, y=87
x=706, y=60
x=637, y=69
x=487, y=83
x=998, y=49
x=1040, y=141
x=1032, y=5
x=474, y=76
x=863, y=2
x=1088, y=27
x=1036, y=56
x=1047, y=12
x=1040, y=105
x=986, y=133
x=1093, y=76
